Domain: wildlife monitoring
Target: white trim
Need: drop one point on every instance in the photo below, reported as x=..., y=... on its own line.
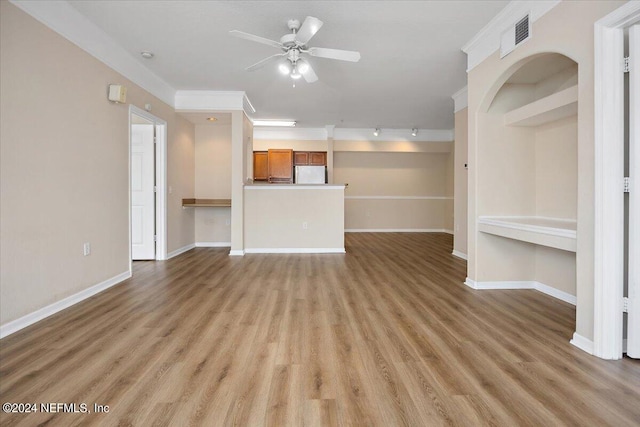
x=289, y=134
x=608, y=156
x=459, y=254
x=460, y=99
x=294, y=187
x=398, y=197
x=503, y=221
x=582, y=343
x=236, y=252
x=160, y=178
x=487, y=40
x=294, y=251
x=64, y=19
x=525, y=284
x=213, y=244
x=181, y=250
x=393, y=135
x=31, y=318
x=209, y=100
x=397, y=230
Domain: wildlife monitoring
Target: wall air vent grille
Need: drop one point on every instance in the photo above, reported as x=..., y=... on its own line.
x=515, y=35
x=522, y=30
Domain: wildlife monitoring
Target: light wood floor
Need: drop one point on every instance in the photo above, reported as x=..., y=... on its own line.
x=386, y=335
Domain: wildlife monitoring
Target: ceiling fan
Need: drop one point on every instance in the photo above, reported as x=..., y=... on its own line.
x=294, y=48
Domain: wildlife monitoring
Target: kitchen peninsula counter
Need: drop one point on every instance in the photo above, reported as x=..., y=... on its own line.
x=294, y=218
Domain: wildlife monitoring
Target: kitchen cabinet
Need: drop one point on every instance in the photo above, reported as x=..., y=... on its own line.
x=260, y=166
x=310, y=158
x=280, y=166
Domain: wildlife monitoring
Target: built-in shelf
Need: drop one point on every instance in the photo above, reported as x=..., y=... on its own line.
x=553, y=107
x=207, y=203
x=551, y=232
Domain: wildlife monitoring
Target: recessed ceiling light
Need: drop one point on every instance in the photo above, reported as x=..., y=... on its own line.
x=212, y=119
x=287, y=123
x=146, y=54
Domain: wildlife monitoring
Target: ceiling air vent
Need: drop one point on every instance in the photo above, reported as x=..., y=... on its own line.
x=515, y=35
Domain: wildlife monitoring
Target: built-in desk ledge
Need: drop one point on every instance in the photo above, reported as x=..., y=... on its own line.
x=551, y=232
x=207, y=203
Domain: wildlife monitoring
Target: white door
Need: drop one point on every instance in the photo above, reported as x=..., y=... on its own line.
x=633, y=319
x=142, y=192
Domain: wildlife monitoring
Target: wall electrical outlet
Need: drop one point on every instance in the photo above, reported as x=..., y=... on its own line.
x=86, y=249
x=305, y=225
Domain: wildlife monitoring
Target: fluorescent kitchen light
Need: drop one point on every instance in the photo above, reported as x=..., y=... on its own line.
x=283, y=123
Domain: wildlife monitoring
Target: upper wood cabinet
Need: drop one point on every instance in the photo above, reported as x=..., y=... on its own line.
x=260, y=166
x=280, y=165
x=310, y=158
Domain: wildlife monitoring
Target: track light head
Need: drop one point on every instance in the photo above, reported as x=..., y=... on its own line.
x=414, y=132
x=376, y=132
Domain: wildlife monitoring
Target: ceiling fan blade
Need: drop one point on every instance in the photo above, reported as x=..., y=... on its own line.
x=309, y=28
x=255, y=38
x=264, y=62
x=307, y=72
x=342, y=55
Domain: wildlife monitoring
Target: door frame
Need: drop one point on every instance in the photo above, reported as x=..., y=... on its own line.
x=160, y=127
x=609, y=197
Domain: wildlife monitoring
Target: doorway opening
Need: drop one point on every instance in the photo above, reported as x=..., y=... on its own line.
x=147, y=186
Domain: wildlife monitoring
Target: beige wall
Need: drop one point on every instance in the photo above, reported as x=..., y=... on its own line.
x=295, y=145
x=64, y=168
x=213, y=181
x=567, y=29
x=275, y=214
x=460, y=182
x=396, y=190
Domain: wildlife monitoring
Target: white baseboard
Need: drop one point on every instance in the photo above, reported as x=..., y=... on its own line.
x=236, y=252
x=459, y=254
x=180, y=250
x=31, y=318
x=582, y=343
x=397, y=230
x=213, y=244
x=295, y=251
x=540, y=287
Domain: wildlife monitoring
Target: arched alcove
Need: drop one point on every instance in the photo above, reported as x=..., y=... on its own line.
x=527, y=177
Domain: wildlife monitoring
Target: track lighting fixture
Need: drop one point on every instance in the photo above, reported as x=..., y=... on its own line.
x=376, y=132
x=414, y=132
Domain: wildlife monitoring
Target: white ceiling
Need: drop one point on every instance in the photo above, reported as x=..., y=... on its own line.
x=411, y=59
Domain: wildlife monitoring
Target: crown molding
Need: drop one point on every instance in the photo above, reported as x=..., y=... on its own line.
x=395, y=135
x=209, y=100
x=460, y=99
x=487, y=40
x=65, y=20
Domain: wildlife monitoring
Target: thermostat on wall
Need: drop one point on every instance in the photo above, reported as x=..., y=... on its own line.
x=117, y=93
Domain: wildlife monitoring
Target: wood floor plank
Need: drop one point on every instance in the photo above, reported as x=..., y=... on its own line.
x=384, y=335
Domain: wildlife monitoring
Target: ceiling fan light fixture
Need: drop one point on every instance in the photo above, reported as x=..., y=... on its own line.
x=376, y=132
x=295, y=74
x=414, y=132
x=302, y=66
x=285, y=67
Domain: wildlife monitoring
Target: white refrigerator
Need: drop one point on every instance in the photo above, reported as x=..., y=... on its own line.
x=310, y=174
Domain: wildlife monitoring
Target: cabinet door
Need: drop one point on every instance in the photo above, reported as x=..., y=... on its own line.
x=260, y=166
x=301, y=158
x=281, y=166
x=318, y=158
